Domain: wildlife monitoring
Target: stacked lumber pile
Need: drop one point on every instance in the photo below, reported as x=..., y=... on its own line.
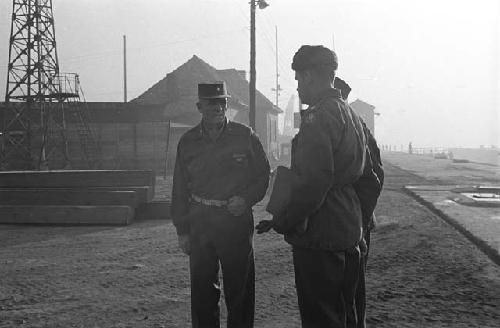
x=89, y=197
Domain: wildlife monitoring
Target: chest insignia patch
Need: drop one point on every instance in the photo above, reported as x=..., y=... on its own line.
x=239, y=157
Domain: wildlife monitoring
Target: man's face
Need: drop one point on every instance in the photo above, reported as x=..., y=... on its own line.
x=303, y=84
x=213, y=111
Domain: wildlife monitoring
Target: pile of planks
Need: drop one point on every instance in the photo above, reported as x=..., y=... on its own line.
x=87, y=197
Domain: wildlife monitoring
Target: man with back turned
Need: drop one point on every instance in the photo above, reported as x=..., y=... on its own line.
x=323, y=220
x=368, y=188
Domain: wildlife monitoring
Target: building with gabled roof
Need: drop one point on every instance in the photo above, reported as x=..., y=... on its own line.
x=178, y=93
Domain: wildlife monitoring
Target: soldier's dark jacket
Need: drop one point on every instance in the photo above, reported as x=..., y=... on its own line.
x=369, y=185
x=235, y=164
x=328, y=156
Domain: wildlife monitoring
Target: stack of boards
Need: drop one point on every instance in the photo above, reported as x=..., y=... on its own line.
x=89, y=197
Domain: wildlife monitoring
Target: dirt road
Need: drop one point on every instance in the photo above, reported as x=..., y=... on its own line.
x=422, y=273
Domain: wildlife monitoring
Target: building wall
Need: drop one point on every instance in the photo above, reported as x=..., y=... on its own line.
x=261, y=128
x=116, y=141
x=266, y=128
x=119, y=151
x=368, y=116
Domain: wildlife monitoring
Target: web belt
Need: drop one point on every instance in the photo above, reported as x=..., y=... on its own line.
x=209, y=202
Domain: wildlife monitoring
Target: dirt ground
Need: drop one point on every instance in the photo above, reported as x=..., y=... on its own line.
x=421, y=273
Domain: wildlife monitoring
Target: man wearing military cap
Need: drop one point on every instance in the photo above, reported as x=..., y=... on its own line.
x=322, y=220
x=221, y=171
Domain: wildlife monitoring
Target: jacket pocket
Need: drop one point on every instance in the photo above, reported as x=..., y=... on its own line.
x=240, y=159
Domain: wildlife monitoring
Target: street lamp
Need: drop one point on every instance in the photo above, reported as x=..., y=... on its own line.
x=262, y=4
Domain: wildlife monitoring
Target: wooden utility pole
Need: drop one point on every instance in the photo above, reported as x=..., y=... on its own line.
x=251, y=114
x=124, y=68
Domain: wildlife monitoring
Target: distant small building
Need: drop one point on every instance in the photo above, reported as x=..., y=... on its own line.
x=367, y=113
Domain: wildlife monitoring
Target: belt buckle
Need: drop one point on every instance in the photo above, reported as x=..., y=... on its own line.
x=209, y=202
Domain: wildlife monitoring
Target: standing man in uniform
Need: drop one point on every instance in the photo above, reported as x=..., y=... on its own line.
x=368, y=188
x=322, y=221
x=221, y=171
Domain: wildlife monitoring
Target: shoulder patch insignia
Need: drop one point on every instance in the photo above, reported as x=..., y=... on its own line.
x=309, y=118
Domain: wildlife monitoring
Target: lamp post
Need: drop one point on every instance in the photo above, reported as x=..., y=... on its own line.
x=262, y=4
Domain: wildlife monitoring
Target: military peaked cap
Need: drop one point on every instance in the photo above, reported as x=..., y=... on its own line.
x=313, y=56
x=212, y=90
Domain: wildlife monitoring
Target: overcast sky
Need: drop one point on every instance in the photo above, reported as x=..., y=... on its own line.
x=431, y=67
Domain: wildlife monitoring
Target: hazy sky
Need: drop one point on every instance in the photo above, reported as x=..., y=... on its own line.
x=431, y=67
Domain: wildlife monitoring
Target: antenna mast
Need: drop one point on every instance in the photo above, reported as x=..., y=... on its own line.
x=277, y=89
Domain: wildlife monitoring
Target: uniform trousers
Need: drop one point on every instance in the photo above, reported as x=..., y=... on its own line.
x=361, y=288
x=221, y=240
x=326, y=285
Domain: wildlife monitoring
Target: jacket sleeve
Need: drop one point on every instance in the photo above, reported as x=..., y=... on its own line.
x=180, y=195
x=316, y=141
x=376, y=158
x=369, y=185
x=257, y=188
x=368, y=189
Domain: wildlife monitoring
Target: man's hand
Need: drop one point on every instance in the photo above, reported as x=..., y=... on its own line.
x=184, y=244
x=264, y=226
x=237, y=205
x=363, y=248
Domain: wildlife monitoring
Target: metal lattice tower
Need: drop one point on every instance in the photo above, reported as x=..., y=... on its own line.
x=34, y=128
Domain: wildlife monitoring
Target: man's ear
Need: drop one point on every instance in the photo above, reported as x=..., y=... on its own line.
x=198, y=105
x=308, y=76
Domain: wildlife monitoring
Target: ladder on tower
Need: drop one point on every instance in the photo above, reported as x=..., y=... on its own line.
x=89, y=145
x=69, y=89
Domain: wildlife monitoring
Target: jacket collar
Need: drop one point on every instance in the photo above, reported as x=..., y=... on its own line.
x=200, y=130
x=328, y=93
